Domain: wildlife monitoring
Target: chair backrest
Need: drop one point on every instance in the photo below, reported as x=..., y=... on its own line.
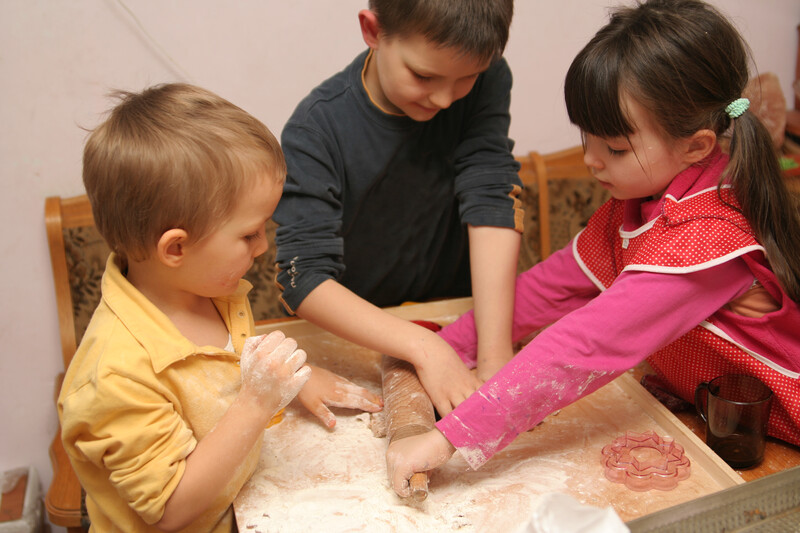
x=64, y=219
x=559, y=197
x=70, y=232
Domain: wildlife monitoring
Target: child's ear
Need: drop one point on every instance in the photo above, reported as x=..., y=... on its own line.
x=699, y=145
x=370, y=28
x=170, y=247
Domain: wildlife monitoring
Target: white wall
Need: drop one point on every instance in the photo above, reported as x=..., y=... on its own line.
x=59, y=59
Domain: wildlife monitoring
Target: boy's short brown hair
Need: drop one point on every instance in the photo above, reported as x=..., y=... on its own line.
x=172, y=156
x=479, y=28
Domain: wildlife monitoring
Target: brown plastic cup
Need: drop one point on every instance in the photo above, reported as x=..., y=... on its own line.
x=735, y=409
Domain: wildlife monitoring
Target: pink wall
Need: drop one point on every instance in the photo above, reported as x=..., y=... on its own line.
x=59, y=59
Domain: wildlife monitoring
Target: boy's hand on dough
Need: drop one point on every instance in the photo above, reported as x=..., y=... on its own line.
x=328, y=389
x=273, y=370
x=420, y=453
x=446, y=379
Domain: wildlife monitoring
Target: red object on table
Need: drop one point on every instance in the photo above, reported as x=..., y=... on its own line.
x=433, y=326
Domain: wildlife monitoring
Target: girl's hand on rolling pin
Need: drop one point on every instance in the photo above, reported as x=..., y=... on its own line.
x=328, y=389
x=419, y=453
x=272, y=370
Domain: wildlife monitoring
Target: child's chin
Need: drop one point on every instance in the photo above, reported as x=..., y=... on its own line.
x=226, y=291
x=422, y=115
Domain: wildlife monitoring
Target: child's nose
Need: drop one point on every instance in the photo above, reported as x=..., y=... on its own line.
x=261, y=247
x=442, y=98
x=590, y=158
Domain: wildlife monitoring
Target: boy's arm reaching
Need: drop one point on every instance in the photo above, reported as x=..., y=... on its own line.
x=442, y=373
x=493, y=260
x=487, y=186
x=273, y=372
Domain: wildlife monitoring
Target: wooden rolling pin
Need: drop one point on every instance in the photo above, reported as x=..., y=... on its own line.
x=408, y=411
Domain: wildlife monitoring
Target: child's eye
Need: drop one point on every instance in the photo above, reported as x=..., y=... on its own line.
x=614, y=152
x=252, y=236
x=420, y=77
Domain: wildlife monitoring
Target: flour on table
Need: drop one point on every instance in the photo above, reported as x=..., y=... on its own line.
x=376, y=422
x=312, y=479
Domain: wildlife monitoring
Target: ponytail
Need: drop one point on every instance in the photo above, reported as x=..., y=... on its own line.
x=772, y=211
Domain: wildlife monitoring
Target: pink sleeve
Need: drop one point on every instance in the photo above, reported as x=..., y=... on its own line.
x=543, y=294
x=586, y=349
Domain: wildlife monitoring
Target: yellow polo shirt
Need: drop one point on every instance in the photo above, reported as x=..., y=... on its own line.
x=137, y=398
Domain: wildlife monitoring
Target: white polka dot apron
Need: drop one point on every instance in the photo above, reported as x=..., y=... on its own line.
x=695, y=233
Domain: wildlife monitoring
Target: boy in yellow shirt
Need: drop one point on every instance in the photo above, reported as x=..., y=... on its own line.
x=165, y=401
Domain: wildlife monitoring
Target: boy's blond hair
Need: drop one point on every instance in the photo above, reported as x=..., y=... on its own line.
x=478, y=28
x=172, y=156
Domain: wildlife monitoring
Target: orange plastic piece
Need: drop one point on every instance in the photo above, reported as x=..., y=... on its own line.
x=276, y=418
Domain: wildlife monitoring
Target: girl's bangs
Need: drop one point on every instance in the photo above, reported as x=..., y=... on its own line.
x=592, y=94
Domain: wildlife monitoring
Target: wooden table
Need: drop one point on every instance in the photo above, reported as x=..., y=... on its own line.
x=310, y=478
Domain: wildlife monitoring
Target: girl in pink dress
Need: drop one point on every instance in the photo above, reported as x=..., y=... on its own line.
x=694, y=264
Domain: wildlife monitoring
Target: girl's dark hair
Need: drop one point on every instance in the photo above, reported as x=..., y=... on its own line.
x=685, y=63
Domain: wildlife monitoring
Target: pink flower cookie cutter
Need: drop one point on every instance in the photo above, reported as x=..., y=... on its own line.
x=644, y=461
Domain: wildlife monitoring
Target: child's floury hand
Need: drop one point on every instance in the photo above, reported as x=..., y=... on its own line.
x=272, y=370
x=419, y=453
x=328, y=389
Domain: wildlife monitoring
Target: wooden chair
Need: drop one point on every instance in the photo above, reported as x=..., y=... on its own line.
x=560, y=197
x=63, y=500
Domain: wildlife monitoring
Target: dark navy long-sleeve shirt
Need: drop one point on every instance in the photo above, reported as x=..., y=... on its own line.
x=380, y=203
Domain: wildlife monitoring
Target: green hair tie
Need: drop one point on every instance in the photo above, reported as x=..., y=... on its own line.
x=737, y=107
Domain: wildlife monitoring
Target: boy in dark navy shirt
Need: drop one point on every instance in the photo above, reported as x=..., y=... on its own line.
x=402, y=186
